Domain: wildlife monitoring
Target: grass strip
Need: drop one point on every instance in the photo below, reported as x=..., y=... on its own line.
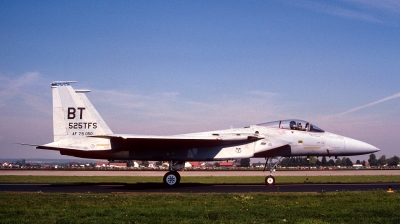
x=342, y=207
x=200, y=179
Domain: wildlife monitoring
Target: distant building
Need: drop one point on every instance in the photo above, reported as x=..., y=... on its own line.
x=226, y=164
x=74, y=164
x=196, y=164
x=101, y=164
x=118, y=165
x=258, y=165
x=188, y=165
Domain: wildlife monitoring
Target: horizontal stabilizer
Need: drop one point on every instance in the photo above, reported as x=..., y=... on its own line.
x=27, y=144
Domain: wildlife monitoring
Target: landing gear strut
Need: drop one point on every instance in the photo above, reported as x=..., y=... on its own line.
x=173, y=178
x=270, y=180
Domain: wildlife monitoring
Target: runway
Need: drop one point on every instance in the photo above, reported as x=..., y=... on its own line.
x=190, y=188
x=161, y=173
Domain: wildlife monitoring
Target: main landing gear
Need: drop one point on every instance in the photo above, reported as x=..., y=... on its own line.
x=270, y=180
x=173, y=178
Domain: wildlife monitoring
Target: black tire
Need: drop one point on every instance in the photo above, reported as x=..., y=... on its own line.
x=179, y=177
x=269, y=180
x=172, y=178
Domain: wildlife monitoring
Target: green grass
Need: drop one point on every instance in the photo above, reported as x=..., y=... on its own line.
x=340, y=207
x=203, y=179
x=343, y=207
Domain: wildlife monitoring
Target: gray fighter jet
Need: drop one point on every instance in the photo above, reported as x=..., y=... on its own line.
x=80, y=131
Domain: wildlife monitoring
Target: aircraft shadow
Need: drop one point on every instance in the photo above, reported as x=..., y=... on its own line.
x=130, y=186
x=147, y=186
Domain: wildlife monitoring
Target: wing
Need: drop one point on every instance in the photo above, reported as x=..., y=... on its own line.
x=177, y=141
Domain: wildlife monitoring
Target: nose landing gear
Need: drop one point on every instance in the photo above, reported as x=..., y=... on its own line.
x=270, y=180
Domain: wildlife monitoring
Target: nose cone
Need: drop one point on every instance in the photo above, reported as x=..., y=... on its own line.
x=356, y=147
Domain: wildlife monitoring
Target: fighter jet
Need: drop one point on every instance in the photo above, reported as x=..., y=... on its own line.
x=80, y=131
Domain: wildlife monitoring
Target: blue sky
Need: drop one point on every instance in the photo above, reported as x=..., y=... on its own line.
x=170, y=67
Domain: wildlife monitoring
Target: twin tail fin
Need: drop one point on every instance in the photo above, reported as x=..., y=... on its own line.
x=74, y=116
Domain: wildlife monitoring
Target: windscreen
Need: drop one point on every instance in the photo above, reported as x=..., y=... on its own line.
x=292, y=124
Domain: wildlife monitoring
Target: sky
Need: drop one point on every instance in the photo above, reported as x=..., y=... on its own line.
x=174, y=67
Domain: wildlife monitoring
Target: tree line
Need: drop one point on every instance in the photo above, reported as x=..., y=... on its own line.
x=310, y=161
x=344, y=161
x=382, y=161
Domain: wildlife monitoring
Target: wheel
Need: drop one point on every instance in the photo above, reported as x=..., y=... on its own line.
x=269, y=180
x=172, y=178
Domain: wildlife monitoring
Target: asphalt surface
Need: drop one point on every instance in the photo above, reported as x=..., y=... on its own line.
x=193, y=187
x=161, y=173
x=190, y=188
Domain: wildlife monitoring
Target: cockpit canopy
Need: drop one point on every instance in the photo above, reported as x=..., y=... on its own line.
x=293, y=124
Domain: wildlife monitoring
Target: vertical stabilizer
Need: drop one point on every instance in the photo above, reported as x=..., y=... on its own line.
x=74, y=117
